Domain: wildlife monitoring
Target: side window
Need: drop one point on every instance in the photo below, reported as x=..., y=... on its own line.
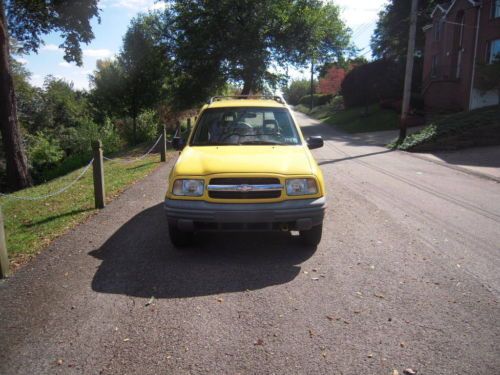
x=493, y=51
x=495, y=9
x=435, y=67
x=437, y=30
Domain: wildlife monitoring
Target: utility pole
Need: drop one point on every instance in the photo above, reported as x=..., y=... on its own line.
x=312, y=84
x=409, y=71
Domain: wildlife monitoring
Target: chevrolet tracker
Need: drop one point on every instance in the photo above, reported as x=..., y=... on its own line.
x=245, y=166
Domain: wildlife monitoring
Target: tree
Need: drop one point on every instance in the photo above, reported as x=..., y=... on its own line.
x=26, y=22
x=390, y=38
x=136, y=81
x=240, y=40
x=330, y=83
x=296, y=90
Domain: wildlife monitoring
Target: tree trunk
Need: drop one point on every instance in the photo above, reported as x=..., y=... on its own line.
x=247, y=86
x=18, y=176
x=134, y=128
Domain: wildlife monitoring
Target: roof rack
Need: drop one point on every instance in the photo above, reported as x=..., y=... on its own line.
x=276, y=98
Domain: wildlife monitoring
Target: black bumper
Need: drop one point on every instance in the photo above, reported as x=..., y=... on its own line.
x=300, y=214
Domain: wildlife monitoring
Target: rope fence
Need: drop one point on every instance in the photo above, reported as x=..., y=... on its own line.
x=97, y=162
x=60, y=191
x=137, y=158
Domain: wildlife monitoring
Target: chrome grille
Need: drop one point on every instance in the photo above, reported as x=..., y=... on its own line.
x=244, y=188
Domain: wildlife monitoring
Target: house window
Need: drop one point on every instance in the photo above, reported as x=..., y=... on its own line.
x=434, y=66
x=437, y=30
x=493, y=51
x=495, y=9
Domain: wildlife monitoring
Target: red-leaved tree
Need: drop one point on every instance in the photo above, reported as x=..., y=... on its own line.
x=330, y=83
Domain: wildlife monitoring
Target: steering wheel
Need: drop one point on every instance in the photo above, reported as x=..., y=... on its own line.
x=243, y=125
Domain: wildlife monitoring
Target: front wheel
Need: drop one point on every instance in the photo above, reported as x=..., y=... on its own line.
x=179, y=238
x=312, y=237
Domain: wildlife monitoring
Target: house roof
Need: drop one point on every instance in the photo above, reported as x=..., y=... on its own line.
x=445, y=8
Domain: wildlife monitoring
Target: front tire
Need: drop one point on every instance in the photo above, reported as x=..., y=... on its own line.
x=180, y=239
x=312, y=237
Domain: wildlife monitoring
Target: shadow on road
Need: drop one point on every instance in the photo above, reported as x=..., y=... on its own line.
x=138, y=260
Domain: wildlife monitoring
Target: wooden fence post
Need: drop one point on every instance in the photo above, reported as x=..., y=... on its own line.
x=4, y=258
x=98, y=169
x=163, y=145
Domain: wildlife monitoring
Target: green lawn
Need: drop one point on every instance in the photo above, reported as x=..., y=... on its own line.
x=480, y=127
x=355, y=120
x=31, y=225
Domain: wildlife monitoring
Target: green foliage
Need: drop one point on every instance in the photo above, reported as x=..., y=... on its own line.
x=369, y=83
x=480, y=127
x=390, y=38
x=136, y=81
x=296, y=90
x=29, y=19
x=318, y=99
x=44, y=152
x=488, y=76
x=240, y=40
x=147, y=127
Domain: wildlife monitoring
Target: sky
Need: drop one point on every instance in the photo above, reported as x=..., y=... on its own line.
x=359, y=15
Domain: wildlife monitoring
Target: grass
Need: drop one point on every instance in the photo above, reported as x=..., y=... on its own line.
x=32, y=225
x=355, y=120
x=480, y=127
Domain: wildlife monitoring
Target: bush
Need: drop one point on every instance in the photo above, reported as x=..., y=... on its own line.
x=147, y=127
x=44, y=152
x=296, y=90
x=370, y=83
x=318, y=99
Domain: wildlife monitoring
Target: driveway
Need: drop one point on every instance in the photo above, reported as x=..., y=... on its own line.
x=405, y=277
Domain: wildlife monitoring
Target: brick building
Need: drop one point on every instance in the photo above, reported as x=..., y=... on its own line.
x=463, y=34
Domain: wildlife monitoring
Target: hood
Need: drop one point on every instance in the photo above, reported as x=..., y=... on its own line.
x=206, y=160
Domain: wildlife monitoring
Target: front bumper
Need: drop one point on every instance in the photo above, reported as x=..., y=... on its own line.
x=301, y=214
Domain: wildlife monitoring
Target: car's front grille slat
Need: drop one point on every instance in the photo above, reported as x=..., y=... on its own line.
x=245, y=188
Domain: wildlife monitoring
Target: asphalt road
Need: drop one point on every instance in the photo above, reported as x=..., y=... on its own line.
x=407, y=276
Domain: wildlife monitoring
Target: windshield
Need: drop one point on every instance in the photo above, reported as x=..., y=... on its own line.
x=245, y=126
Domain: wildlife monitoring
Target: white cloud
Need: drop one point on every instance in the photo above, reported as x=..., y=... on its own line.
x=65, y=64
x=37, y=80
x=359, y=12
x=135, y=5
x=98, y=53
x=50, y=48
x=21, y=60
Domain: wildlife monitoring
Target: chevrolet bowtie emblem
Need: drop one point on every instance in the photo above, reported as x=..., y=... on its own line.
x=244, y=188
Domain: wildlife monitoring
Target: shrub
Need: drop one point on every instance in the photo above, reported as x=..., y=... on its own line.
x=44, y=152
x=318, y=99
x=296, y=90
x=369, y=83
x=147, y=127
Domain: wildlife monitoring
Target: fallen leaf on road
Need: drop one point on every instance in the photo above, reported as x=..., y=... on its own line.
x=150, y=301
x=357, y=312
x=259, y=342
x=381, y=296
x=306, y=272
x=59, y=362
x=315, y=278
x=329, y=317
x=126, y=339
x=395, y=372
x=311, y=333
x=314, y=270
x=409, y=371
x=402, y=344
x=370, y=355
x=220, y=299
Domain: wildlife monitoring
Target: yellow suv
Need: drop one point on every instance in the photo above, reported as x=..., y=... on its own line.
x=245, y=166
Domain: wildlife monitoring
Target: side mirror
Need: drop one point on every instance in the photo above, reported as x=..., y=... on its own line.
x=315, y=141
x=178, y=143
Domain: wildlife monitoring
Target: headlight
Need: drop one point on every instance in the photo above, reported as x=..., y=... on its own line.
x=301, y=186
x=192, y=188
